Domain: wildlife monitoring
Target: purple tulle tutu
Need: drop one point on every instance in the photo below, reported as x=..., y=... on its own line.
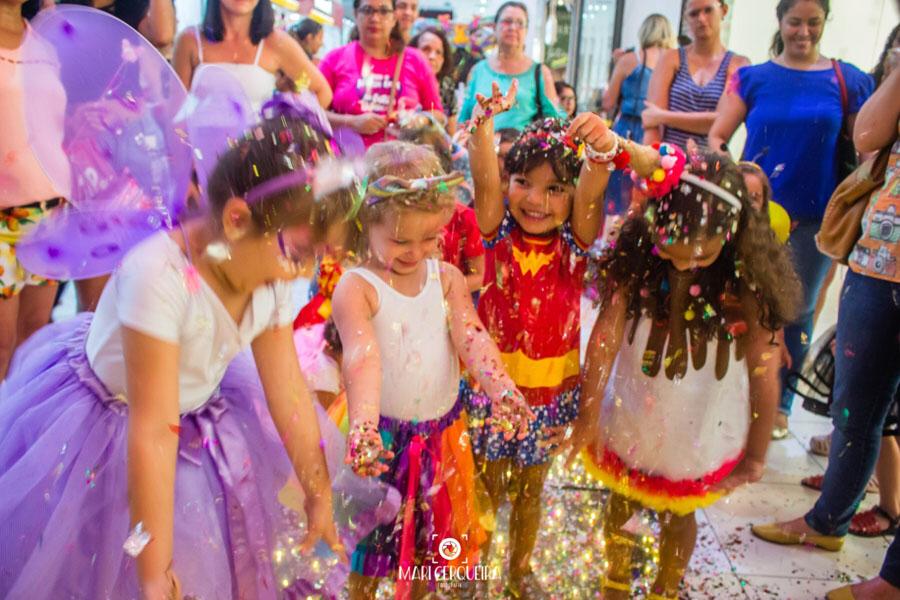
x=63, y=474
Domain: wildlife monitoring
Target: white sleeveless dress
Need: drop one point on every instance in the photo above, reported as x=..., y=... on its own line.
x=665, y=442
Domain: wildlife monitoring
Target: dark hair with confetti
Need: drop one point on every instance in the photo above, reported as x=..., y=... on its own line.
x=751, y=259
x=424, y=129
x=545, y=141
x=261, y=24
x=276, y=147
x=332, y=337
x=751, y=168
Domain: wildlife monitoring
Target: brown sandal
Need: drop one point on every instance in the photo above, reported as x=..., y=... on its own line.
x=865, y=524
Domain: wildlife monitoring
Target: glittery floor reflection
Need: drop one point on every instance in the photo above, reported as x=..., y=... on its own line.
x=728, y=561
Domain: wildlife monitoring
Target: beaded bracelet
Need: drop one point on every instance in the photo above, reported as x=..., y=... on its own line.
x=597, y=157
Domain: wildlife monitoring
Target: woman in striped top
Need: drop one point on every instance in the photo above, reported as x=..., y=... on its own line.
x=687, y=83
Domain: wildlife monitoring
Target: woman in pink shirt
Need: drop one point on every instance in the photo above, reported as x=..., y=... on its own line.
x=376, y=76
x=26, y=193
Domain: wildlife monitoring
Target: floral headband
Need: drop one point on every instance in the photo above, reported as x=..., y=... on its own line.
x=389, y=186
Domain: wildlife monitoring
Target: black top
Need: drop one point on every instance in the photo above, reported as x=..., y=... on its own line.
x=131, y=12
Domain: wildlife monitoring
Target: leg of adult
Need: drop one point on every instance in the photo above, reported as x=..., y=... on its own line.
x=35, y=304
x=89, y=291
x=812, y=267
x=9, y=316
x=867, y=371
x=884, y=587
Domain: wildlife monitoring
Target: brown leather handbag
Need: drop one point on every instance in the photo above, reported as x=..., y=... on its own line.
x=842, y=223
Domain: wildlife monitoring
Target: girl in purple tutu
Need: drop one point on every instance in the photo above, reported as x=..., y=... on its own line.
x=127, y=434
x=405, y=320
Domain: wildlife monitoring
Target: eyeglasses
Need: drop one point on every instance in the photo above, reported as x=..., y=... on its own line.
x=513, y=23
x=370, y=11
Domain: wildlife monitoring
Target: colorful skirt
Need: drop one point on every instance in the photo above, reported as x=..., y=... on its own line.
x=655, y=491
x=434, y=471
x=64, y=511
x=527, y=452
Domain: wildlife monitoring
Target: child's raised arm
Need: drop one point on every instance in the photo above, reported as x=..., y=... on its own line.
x=354, y=306
x=763, y=367
x=481, y=355
x=587, y=210
x=483, y=157
x=600, y=357
x=291, y=407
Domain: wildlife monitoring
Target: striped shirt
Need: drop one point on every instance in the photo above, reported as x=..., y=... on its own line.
x=686, y=96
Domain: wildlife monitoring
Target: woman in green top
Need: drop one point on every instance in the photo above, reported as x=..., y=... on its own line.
x=510, y=62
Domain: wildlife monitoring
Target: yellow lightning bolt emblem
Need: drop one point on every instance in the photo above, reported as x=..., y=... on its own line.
x=531, y=262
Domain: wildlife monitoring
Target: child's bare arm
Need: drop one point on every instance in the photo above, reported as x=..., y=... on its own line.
x=472, y=340
x=587, y=210
x=763, y=367
x=483, y=157
x=353, y=309
x=600, y=356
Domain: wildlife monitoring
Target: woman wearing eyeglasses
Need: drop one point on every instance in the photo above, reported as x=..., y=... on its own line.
x=687, y=83
x=537, y=95
x=376, y=75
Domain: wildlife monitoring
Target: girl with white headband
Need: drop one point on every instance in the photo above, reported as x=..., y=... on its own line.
x=691, y=294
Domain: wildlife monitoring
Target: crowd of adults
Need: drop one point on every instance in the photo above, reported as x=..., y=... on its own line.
x=800, y=109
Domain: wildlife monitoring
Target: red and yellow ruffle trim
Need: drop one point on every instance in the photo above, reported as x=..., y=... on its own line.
x=654, y=491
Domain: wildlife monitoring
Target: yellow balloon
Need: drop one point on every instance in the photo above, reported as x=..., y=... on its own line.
x=780, y=221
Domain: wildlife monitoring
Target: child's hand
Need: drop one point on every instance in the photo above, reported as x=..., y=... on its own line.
x=592, y=130
x=573, y=439
x=488, y=108
x=164, y=587
x=320, y=526
x=747, y=471
x=365, y=451
x=509, y=414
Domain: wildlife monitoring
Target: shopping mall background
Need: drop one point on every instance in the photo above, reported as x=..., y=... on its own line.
x=577, y=37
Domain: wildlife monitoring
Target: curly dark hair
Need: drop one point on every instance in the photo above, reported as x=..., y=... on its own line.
x=751, y=259
x=541, y=142
x=878, y=71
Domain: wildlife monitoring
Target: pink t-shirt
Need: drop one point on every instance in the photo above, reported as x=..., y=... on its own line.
x=22, y=179
x=363, y=84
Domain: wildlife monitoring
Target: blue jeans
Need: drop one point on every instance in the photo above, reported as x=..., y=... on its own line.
x=812, y=267
x=890, y=568
x=867, y=371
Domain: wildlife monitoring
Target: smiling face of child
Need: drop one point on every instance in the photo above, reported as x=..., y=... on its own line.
x=404, y=238
x=538, y=200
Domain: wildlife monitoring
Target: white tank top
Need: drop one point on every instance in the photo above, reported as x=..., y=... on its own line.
x=419, y=364
x=257, y=83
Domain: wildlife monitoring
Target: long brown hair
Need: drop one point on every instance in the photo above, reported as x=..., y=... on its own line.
x=751, y=261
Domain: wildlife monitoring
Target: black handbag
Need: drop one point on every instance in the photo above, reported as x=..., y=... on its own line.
x=814, y=382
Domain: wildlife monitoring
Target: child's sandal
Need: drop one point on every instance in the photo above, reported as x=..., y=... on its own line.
x=607, y=583
x=865, y=524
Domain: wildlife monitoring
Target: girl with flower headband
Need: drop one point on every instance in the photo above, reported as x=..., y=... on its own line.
x=536, y=239
x=405, y=320
x=133, y=419
x=691, y=294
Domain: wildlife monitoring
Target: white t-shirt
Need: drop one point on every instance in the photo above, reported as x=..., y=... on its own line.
x=149, y=292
